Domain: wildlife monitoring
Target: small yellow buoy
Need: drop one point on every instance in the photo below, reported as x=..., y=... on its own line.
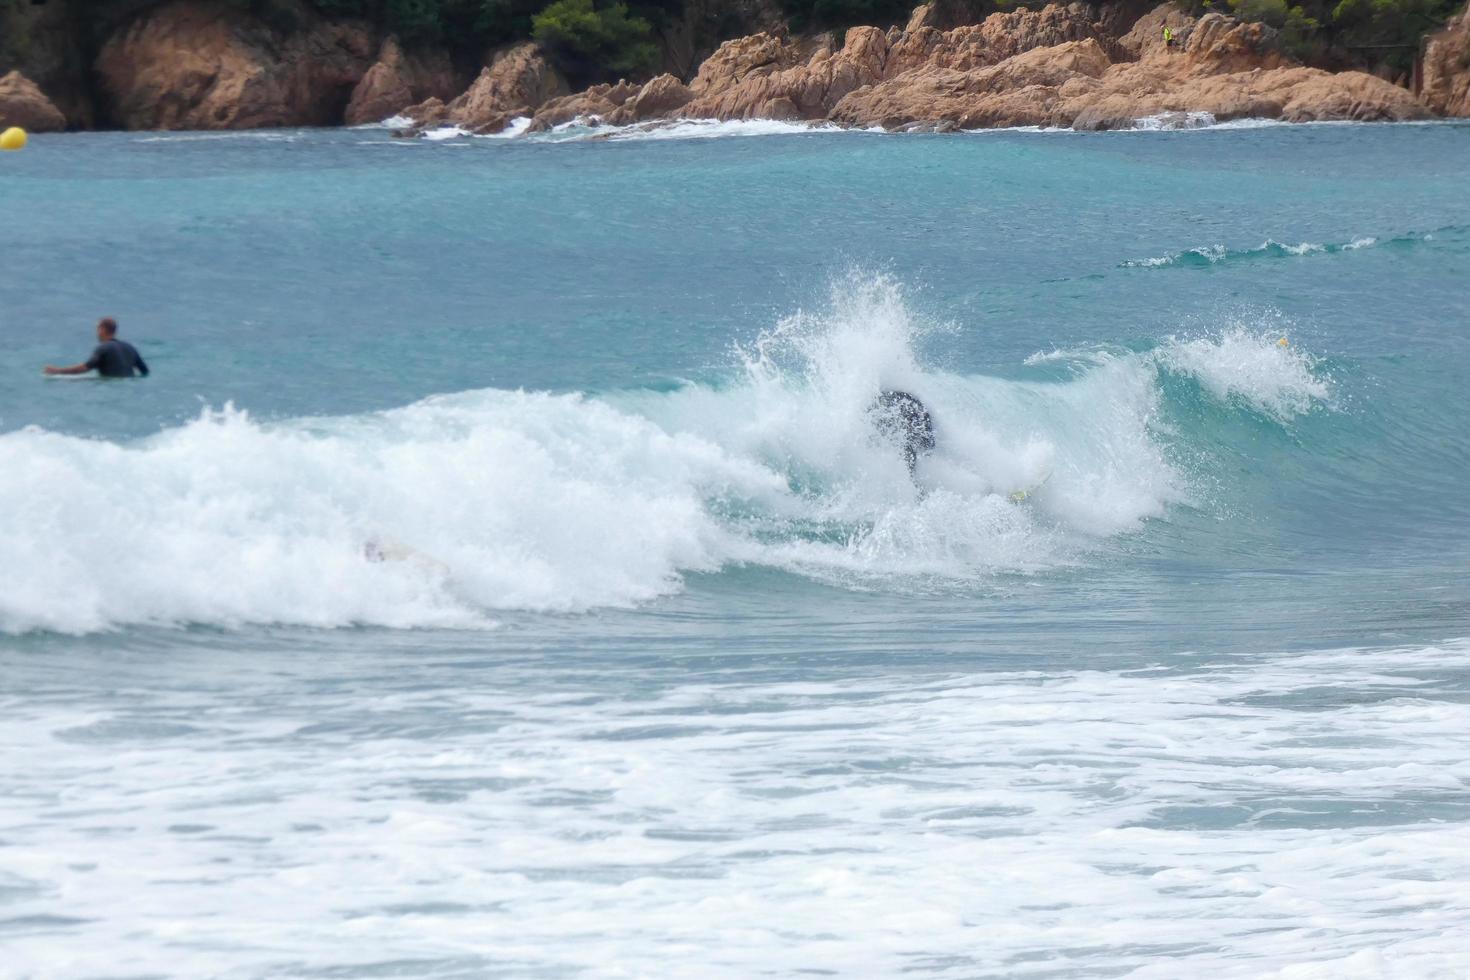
x=13, y=138
x=1282, y=343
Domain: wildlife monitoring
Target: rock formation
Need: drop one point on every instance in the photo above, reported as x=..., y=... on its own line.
x=739, y=87
x=617, y=105
x=190, y=65
x=398, y=80
x=1053, y=67
x=515, y=83
x=25, y=105
x=40, y=40
x=1228, y=69
x=214, y=64
x=1446, y=86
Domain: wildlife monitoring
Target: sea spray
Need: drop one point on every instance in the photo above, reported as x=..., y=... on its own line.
x=561, y=503
x=1252, y=368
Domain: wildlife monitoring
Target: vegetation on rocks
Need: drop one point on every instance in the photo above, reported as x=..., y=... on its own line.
x=588, y=41
x=1344, y=33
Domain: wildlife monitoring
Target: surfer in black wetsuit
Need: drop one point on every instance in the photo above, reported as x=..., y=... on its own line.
x=113, y=358
x=902, y=419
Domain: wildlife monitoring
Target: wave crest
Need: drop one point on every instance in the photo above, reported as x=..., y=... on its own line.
x=499, y=500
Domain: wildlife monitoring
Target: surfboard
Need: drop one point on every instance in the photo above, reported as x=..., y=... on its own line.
x=1016, y=496
x=383, y=548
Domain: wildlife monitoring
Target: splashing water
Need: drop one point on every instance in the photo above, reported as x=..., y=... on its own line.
x=531, y=501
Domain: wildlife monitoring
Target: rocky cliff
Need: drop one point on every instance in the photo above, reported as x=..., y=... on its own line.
x=23, y=104
x=1447, y=69
x=211, y=64
x=1064, y=66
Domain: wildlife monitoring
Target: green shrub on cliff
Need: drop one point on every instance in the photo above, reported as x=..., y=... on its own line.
x=1391, y=26
x=1298, y=28
x=1343, y=33
x=596, y=42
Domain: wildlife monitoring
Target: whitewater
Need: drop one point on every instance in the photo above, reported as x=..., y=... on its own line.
x=501, y=573
x=536, y=501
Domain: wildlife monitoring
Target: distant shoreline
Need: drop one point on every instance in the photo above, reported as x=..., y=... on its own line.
x=187, y=66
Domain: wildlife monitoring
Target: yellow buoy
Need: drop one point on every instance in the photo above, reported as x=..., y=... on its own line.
x=13, y=138
x=1281, y=342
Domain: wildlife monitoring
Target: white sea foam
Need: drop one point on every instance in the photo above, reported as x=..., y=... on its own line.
x=263, y=135
x=1172, y=121
x=1252, y=367
x=505, y=500
x=683, y=129
x=442, y=133
x=1278, y=816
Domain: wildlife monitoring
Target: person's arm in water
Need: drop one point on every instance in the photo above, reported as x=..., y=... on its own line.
x=142, y=364
x=74, y=369
x=90, y=364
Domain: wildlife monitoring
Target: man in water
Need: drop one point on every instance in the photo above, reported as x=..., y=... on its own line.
x=903, y=419
x=113, y=358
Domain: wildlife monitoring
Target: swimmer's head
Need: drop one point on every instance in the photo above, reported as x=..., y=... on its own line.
x=106, y=328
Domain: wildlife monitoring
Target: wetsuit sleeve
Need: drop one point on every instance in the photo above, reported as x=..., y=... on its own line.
x=142, y=364
x=95, y=361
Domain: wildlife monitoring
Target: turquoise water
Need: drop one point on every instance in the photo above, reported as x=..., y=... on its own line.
x=674, y=672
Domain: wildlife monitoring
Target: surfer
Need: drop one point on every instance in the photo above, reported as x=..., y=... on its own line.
x=903, y=419
x=113, y=358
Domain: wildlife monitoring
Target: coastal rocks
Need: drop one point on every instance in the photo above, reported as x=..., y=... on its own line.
x=1290, y=94
x=1220, y=67
x=993, y=40
x=690, y=31
x=1060, y=66
x=925, y=15
x=518, y=79
x=1146, y=36
x=744, y=57
x=600, y=102
x=41, y=41
x=617, y=105
x=1219, y=45
x=23, y=104
x=663, y=96
x=1033, y=88
x=778, y=86
x=190, y=65
x=398, y=80
x=1446, y=87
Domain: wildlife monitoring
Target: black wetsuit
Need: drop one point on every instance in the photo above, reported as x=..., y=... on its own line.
x=902, y=418
x=117, y=359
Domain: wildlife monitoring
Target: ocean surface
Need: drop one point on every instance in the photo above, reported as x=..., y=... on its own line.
x=671, y=670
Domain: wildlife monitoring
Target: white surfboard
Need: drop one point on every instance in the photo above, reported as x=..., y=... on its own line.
x=381, y=548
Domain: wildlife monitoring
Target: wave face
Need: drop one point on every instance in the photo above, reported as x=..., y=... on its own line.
x=499, y=500
x=1209, y=255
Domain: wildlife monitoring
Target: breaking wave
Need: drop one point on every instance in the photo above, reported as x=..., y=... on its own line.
x=1205, y=256
x=488, y=501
